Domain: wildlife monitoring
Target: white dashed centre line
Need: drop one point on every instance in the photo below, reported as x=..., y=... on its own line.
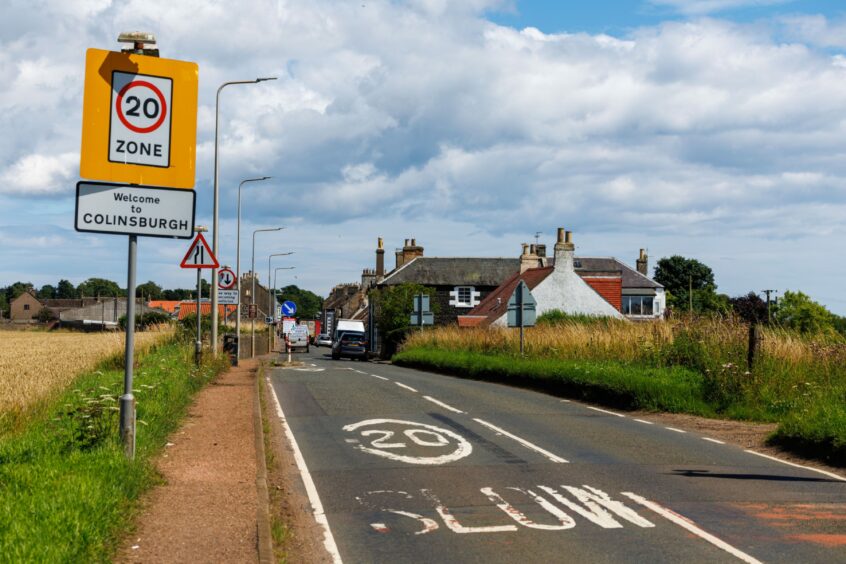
x=380, y=377
x=690, y=526
x=710, y=440
x=409, y=388
x=645, y=422
x=675, y=430
x=442, y=404
x=523, y=442
x=604, y=411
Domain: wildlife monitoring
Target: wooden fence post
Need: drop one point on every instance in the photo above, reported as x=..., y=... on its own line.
x=754, y=346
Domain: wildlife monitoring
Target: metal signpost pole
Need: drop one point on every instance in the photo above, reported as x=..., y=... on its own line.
x=520, y=316
x=198, y=346
x=127, y=400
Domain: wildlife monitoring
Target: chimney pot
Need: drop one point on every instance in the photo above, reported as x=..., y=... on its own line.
x=568, y=237
x=533, y=249
x=560, y=235
x=525, y=249
x=414, y=242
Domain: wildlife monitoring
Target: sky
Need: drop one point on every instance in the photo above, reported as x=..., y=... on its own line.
x=713, y=129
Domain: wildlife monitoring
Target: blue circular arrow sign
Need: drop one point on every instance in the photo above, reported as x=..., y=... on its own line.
x=289, y=308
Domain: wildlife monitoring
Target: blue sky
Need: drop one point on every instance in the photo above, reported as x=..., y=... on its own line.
x=708, y=128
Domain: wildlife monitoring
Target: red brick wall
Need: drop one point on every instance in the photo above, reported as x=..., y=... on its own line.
x=609, y=288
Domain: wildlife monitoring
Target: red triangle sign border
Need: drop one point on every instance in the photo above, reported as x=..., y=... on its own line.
x=200, y=240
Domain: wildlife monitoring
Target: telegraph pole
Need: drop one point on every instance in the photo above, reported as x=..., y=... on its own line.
x=768, y=292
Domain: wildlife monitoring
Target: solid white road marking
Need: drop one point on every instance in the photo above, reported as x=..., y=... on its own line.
x=676, y=430
x=463, y=447
x=442, y=404
x=812, y=469
x=565, y=520
x=605, y=411
x=409, y=388
x=644, y=421
x=380, y=377
x=523, y=442
x=690, y=526
x=710, y=440
x=311, y=489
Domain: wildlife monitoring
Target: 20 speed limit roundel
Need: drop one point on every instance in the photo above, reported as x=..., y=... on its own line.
x=135, y=109
x=139, y=128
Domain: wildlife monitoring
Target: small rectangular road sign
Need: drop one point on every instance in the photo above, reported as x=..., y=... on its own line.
x=148, y=211
x=227, y=297
x=139, y=119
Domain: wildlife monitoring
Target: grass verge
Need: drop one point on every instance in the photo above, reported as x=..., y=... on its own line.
x=67, y=493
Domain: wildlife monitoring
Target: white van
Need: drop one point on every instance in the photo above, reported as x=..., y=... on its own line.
x=347, y=325
x=297, y=338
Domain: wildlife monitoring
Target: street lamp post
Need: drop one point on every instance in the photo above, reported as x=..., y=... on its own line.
x=238, y=269
x=253, y=291
x=216, y=201
x=271, y=300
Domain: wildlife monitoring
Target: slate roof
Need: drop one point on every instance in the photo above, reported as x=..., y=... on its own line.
x=631, y=277
x=495, y=304
x=454, y=271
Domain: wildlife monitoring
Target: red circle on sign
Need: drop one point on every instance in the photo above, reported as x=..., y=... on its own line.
x=158, y=94
x=221, y=284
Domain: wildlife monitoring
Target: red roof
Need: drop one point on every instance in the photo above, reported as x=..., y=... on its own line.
x=166, y=305
x=495, y=304
x=190, y=308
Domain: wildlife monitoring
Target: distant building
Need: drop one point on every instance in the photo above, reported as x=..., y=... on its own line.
x=25, y=308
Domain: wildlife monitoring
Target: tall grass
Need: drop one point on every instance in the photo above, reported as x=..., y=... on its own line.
x=797, y=379
x=67, y=492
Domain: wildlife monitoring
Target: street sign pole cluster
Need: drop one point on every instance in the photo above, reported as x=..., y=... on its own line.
x=139, y=127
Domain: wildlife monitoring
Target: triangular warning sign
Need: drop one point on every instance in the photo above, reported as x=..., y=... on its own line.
x=199, y=255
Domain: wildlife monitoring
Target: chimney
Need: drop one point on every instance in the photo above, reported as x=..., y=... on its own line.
x=399, y=256
x=643, y=263
x=411, y=250
x=380, y=260
x=564, y=250
x=528, y=258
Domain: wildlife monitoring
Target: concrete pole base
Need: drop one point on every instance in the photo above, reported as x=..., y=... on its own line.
x=198, y=352
x=127, y=424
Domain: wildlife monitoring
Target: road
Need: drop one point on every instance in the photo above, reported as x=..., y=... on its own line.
x=403, y=465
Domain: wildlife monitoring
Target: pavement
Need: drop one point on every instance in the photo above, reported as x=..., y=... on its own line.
x=402, y=465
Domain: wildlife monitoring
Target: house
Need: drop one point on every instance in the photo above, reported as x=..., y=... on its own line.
x=170, y=307
x=102, y=314
x=460, y=283
x=25, y=308
x=597, y=286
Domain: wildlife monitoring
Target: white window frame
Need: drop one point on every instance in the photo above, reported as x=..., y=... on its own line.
x=455, y=301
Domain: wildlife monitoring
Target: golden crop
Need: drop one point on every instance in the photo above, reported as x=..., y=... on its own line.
x=36, y=364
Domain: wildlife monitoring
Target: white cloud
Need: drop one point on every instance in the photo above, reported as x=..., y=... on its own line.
x=40, y=175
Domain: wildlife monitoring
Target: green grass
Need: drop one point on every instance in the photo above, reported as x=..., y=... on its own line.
x=674, y=389
x=67, y=492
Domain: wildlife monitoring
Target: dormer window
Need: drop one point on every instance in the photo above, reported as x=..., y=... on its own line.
x=464, y=296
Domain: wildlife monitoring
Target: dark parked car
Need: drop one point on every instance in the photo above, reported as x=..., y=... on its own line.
x=351, y=344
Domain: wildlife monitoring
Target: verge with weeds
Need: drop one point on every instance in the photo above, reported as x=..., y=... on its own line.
x=691, y=365
x=67, y=491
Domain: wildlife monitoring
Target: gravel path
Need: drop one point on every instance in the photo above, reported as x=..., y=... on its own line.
x=206, y=510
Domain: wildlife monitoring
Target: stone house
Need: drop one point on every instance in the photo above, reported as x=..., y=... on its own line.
x=25, y=308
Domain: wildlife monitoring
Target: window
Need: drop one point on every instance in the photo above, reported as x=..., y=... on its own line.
x=26, y=307
x=638, y=305
x=464, y=296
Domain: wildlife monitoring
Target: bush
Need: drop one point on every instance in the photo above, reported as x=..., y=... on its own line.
x=147, y=320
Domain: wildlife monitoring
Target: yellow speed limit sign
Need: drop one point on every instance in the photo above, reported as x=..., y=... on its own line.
x=139, y=119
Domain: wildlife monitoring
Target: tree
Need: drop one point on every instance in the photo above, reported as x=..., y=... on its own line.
x=65, y=290
x=16, y=289
x=46, y=315
x=679, y=275
x=94, y=287
x=394, y=305
x=308, y=303
x=750, y=308
x=47, y=292
x=149, y=290
x=798, y=311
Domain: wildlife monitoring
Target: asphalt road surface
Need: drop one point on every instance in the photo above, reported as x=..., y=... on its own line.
x=408, y=466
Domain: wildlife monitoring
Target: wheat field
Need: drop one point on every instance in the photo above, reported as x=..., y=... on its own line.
x=36, y=364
